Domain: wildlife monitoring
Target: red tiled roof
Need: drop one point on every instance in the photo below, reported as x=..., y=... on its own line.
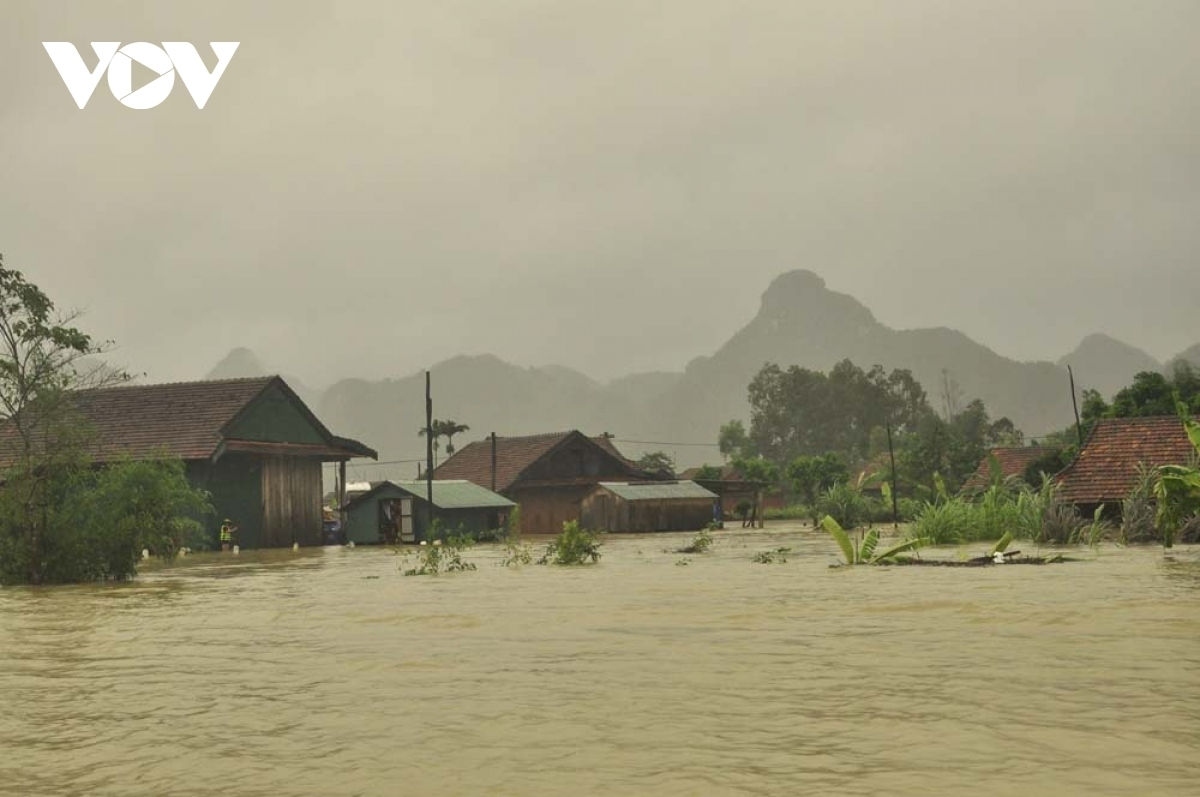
x=182, y=419
x=1012, y=460
x=1106, y=468
x=513, y=456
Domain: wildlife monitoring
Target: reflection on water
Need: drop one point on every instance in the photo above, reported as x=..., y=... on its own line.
x=326, y=672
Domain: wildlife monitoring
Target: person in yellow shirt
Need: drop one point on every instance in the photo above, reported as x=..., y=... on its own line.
x=228, y=529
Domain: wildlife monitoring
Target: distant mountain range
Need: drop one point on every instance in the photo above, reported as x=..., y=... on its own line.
x=800, y=322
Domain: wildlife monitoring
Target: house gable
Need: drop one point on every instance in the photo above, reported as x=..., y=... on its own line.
x=276, y=416
x=576, y=457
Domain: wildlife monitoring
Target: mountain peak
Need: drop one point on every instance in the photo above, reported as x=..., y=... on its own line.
x=802, y=296
x=238, y=363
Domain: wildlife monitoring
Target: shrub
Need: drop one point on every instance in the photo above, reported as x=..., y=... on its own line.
x=441, y=557
x=98, y=521
x=777, y=556
x=844, y=504
x=699, y=544
x=574, y=546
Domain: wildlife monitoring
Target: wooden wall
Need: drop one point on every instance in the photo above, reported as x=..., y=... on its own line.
x=291, y=502
x=603, y=511
x=545, y=509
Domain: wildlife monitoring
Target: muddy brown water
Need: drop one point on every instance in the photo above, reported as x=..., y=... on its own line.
x=328, y=673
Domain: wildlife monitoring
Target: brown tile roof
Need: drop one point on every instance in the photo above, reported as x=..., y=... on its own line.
x=1105, y=469
x=513, y=456
x=1012, y=460
x=183, y=419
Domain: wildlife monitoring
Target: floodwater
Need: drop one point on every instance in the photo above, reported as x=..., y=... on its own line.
x=326, y=672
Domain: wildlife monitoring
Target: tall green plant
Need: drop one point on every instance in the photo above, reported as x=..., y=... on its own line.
x=865, y=552
x=1177, y=490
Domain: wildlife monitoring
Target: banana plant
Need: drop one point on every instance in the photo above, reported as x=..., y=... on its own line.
x=864, y=554
x=1177, y=489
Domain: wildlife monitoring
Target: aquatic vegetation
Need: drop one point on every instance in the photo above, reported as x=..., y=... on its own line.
x=440, y=557
x=574, y=546
x=699, y=544
x=864, y=552
x=516, y=554
x=777, y=556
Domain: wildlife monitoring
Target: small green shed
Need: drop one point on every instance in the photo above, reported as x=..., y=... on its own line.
x=396, y=511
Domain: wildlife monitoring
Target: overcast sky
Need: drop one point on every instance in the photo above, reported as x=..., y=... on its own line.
x=374, y=186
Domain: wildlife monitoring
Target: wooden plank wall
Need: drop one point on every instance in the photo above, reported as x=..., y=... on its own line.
x=291, y=496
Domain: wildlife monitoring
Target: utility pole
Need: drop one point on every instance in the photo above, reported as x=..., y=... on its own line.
x=428, y=456
x=1075, y=404
x=892, y=457
x=493, y=462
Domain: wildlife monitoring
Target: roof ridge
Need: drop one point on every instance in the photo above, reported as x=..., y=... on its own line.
x=184, y=383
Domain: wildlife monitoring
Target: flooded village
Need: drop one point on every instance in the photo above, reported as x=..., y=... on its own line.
x=527, y=399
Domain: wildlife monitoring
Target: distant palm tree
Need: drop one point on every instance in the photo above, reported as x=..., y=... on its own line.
x=448, y=430
x=435, y=434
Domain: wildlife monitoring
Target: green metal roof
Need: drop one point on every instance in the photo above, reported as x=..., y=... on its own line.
x=457, y=494
x=656, y=491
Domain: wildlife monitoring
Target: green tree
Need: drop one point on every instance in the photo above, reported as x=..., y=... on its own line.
x=763, y=474
x=1150, y=394
x=43, y=359
x=798, y=412
x=732, y=440
x=448, y=429
x=657, y=462
x=811, y=475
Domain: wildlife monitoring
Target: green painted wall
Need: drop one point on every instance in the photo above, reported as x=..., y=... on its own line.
x=235, y=483
x=362, y=520
x=274, y=417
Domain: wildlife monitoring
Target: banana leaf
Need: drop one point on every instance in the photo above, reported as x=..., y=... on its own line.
x=868, y=546
x=839, y=535
x=908, y=545
x=1002, y=543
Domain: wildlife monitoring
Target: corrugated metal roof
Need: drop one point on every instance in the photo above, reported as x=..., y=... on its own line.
x=657, y=491
x=457, y=494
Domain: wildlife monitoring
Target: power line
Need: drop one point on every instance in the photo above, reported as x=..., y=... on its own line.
x=661, y=443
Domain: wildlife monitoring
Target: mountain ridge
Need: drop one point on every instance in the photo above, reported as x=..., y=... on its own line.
x=800, y=321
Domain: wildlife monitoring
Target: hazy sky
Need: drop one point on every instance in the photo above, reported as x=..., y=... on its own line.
x=375, y=186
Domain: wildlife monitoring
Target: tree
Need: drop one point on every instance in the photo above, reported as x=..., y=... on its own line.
x=811, y=475
x=799, y=412
x=448, y=430
x=42, y=360
x=61, y=519
x=657, y=462
x=762, y=474
x=732, y=440
x=1150, y=394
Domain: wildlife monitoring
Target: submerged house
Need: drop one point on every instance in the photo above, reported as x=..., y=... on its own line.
x=730, y=488
x=649, y=506
x=1107, y=467
x=547, y=475
x=397, y=511
x=1011, y=461
x=252, y=443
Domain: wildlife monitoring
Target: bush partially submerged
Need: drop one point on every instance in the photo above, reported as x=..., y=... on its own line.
x=574, y=546
x=699, y=544
x=441, y=557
